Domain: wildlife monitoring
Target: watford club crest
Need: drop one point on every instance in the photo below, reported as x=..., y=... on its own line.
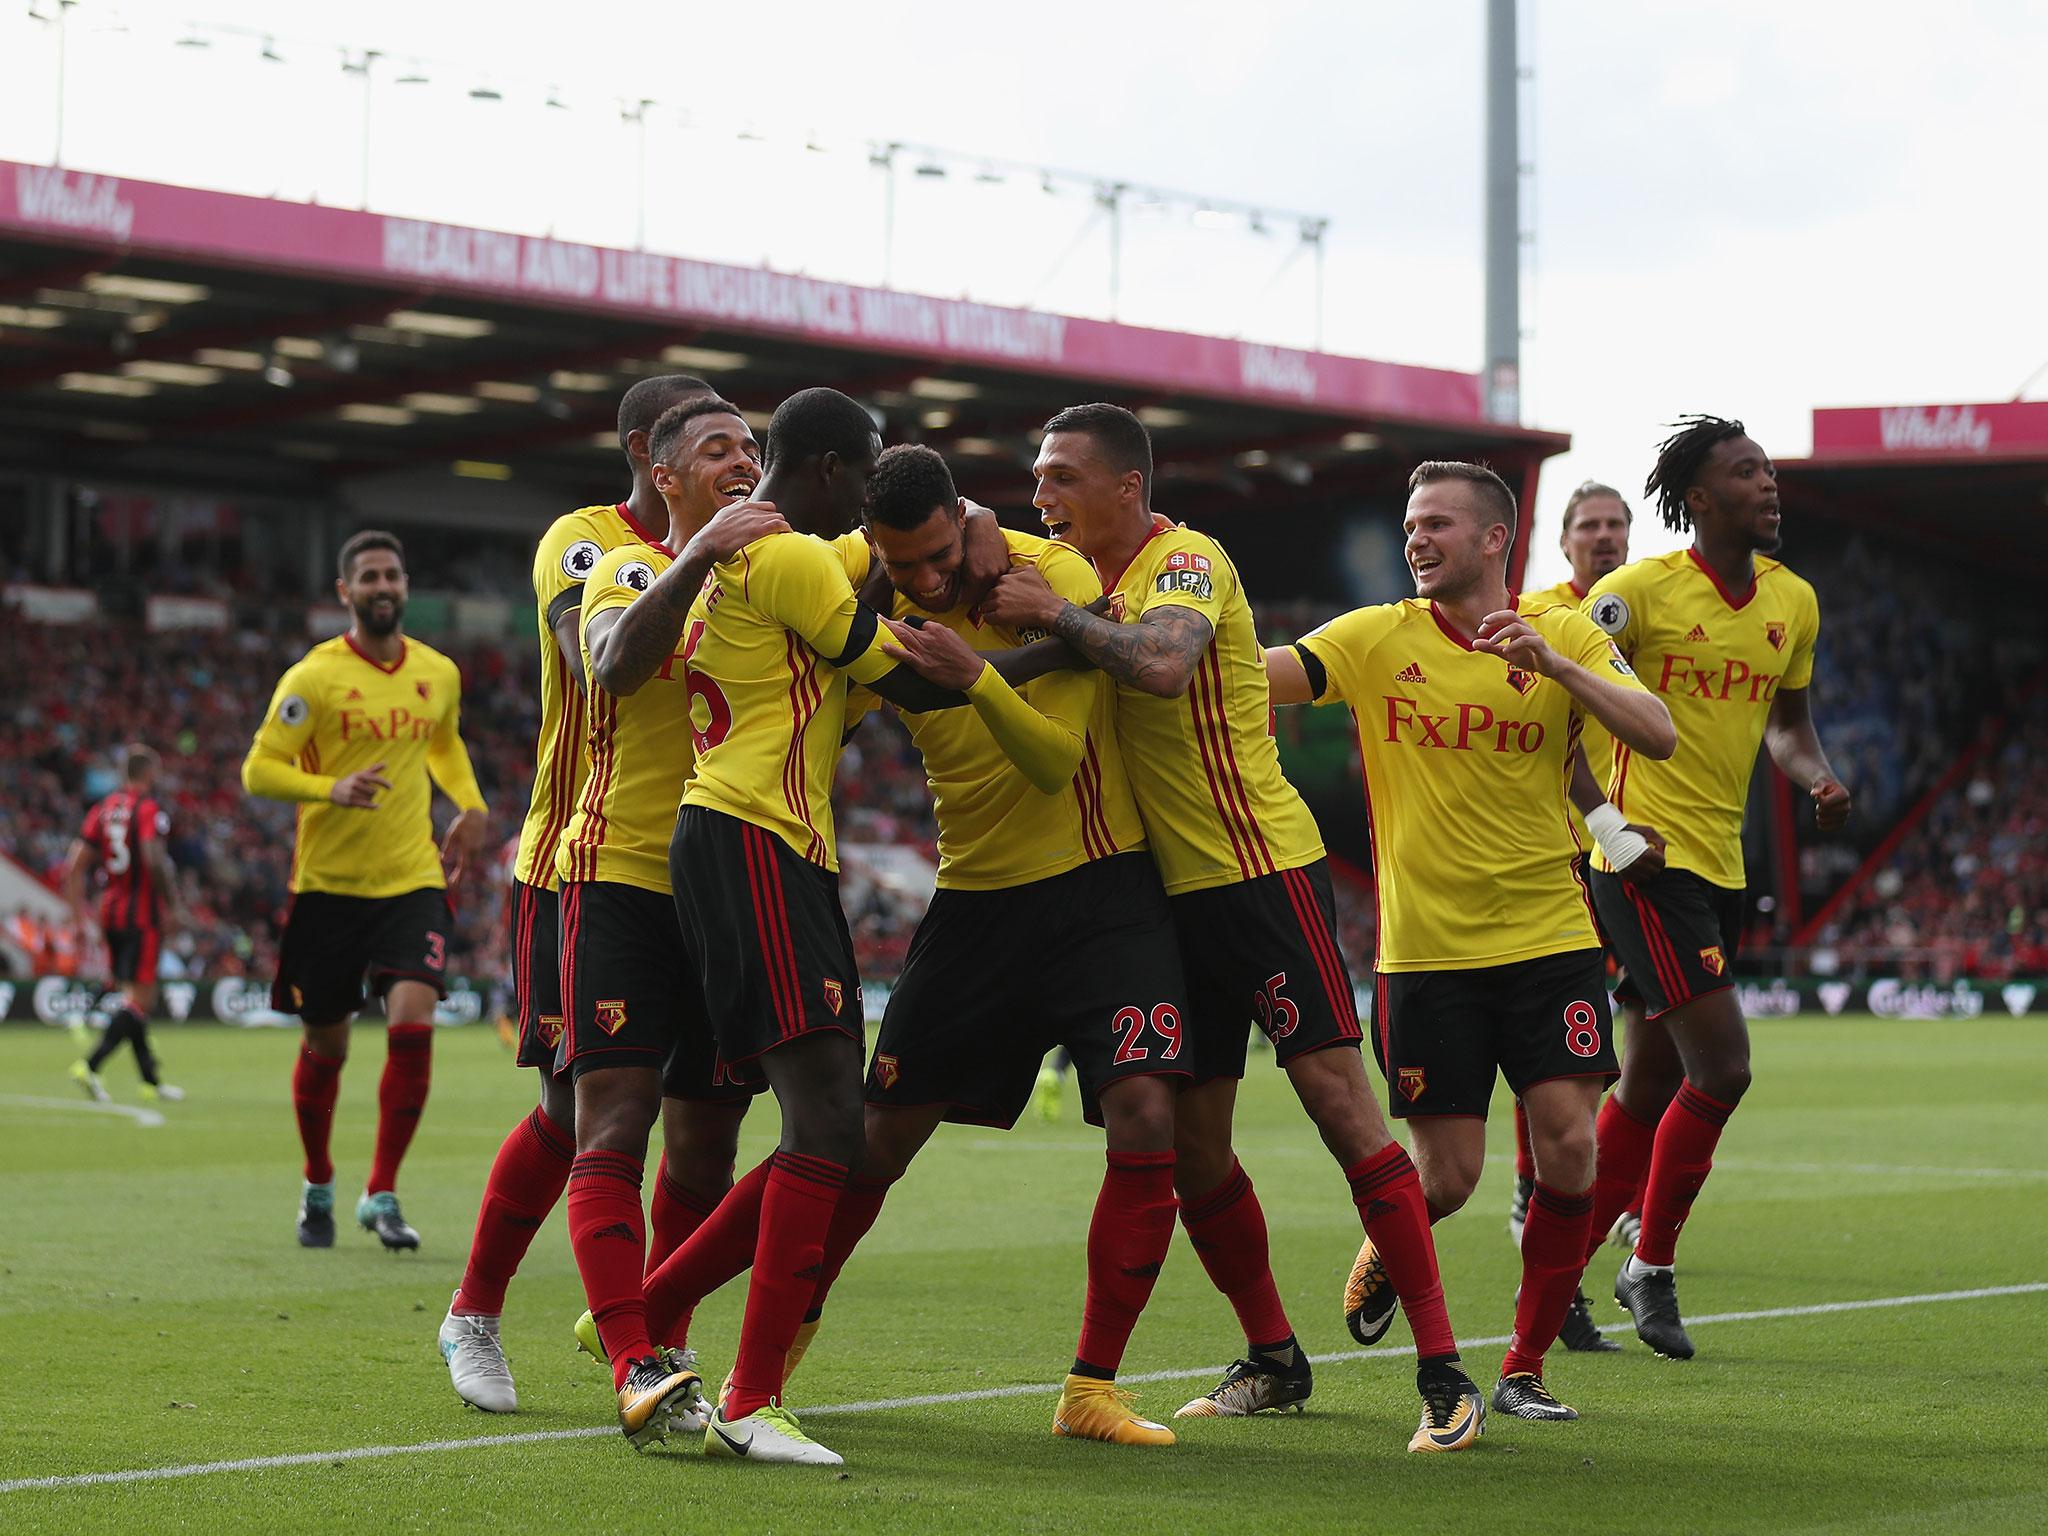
x=551, y=1028
x=424, y=688
x=835, y=996
x=1712, y=958
x=1775, y=633
x=1116, y=607
x=1411, y=1082
x=887, y=1071
x=611, y=1014
x=1521, y=681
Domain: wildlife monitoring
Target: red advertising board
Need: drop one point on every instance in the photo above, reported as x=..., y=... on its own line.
x=2012, y=429
x=152, y=218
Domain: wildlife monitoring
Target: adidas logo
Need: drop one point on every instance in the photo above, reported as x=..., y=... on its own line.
x=1142, y=1271
x=1380, y=1208
x=354, y=695
x=1412, y=673
x=617, y=1229
x=1697, y=634
x=810, y=1272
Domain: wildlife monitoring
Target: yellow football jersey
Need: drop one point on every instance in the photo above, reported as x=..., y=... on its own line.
x=1718, y=659
x=336, y=711
x=568, y=553
x=1466, y=764
x=638, y=747
x=996, y=829
x=1594, y=742
x=1204, y=767
x=770, y=645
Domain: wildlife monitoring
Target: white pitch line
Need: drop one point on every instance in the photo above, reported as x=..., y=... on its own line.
x=141, y=1116
x=929, y=1400
x=1726, y=1164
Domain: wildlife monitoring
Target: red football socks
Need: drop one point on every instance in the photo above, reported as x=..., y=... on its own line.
x=316, y=1083
x=721, y=1247
x=1388, y=1195
x=609, y=1238
x=796, y=1213
x=1622, y=1158
x=1525, y=1154
x=526, y=1180
x=858, y=1208
x=401, y=1095
x=1679, y=1165
x=673, y=1213
x=1228, y=1231
x=1127, y=1242
x=1553, y=1258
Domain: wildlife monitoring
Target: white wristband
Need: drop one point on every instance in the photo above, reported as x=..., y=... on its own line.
x=1610, y=830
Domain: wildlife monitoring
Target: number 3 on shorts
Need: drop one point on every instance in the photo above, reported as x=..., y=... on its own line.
x=1582, y=1029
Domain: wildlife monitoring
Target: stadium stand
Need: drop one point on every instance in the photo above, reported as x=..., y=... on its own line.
x=194, y=694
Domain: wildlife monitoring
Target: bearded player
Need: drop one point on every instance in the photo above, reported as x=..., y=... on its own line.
x=1725, y=634
x=358, y=733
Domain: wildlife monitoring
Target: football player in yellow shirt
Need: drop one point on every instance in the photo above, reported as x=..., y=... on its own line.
x=770, y=644
x=532, y=1166
x=1725, y=634
x=632, y=999
x=1049, y=926
x=358, y=732
x=1247, y=883
x=1468, y=705
x=1595, y=540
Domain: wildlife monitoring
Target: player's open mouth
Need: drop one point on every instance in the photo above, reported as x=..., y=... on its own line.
x=1424, y=567
x=1056, y=528
x=739, y=488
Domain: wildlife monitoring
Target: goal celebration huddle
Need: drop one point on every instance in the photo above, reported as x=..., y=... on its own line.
x=1553, y=784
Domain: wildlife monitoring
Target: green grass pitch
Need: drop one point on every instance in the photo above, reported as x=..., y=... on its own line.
x=156, y=1312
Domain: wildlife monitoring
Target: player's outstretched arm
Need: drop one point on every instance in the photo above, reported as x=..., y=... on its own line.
x=1046, y=751
x=1635, y=716
x=1286, y=677
x=1796, y=749
x=71, y=878
x=1636, y=852
x=629, y=645
x=166, y=876
x=566, y=627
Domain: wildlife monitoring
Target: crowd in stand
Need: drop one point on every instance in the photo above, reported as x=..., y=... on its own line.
x=1903, y=676
x=1966, y=892
x=74, y=695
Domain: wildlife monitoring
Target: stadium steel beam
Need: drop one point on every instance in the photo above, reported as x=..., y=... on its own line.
x=176, y=343
x=1503, y=379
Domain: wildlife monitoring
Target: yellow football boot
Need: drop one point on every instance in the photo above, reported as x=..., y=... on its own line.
x=1091, y=1409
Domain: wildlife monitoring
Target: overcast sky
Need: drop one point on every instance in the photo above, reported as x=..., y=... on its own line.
x=1749, y=208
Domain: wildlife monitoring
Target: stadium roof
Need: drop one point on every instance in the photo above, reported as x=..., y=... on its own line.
x=189, y=337
x=1963, y=480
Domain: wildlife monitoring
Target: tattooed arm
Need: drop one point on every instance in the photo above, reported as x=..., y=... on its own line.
x=628, y=645
x=1156, y=655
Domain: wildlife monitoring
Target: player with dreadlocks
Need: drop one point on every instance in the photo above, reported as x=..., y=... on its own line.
x=1726, y=634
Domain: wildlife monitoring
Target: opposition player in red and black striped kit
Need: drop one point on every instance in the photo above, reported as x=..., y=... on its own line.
x=123, y=839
